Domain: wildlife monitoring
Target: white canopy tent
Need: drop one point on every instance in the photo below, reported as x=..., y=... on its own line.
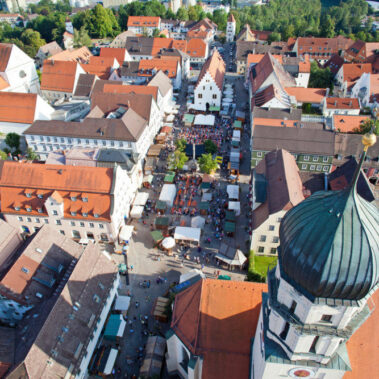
x=168, y=243
x=207, y=196
x=228, y=96
x=228, y=92
x=183, y=233
x=122, y=303
x=226, y=100
x=199, y=107
x=233, y=191
x=141, y=198
x=235, y=206
x=170, y=118
x=110, y=362
x=190, y=274
x=126, y=232
x=198, y=222
x=236, y=135
x=239, y=258
x=168, y=194
x=136, y=211
x=201, y=119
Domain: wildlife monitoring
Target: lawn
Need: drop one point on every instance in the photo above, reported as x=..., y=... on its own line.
x=261, y=264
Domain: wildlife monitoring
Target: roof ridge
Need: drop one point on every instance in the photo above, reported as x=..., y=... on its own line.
x=199, y=315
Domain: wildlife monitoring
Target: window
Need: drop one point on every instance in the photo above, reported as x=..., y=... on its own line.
x=104, y=143
x=76, y=234
x=271, y=227
x=325, y=168
x=284, y=333
x=73, y=213
x=96, y=298
x=325, y=159
x=55, y=213
x=82, y=224
x=72, y=223
x=120, y=144
x=279, y=219
x=275, y=239
x=315, y=158
x=262, y=238
x=37, y=220
x=39, y=210
x=91, y=225
x=259, y=154
x=319, y=167
x=28, y=208
x=312, y=167
x=214, y=96
x=306, y=157
x=19, y=218
x=112, y=143
x=85, y=214
x=261, y=249
x=87, y=142
x=84, y=199
x=36, y=229
x=185, y=359
x=25, y=270
x=101, y=226
x=104, y=237
x=58, y=222
x=312, y=349
x=73, y=198
x=79, y=141
x=304, y=166
x=96, y=215
x=293, y=307
x=46, y=221
x=273, y=250
x=326, y=318
x=40, y=196
x=28, y=219
x=62, y=232
x=28, y=194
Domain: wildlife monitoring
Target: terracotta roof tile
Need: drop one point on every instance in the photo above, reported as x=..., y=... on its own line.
x=307, y=95
x=167, y=64
x=58, y=75
x=322, y=46
x=3, y=83
x=144, y=21
x=196, y=47
x=347, y=124
x=102, y=72
x=82, y=55
x=353, y=71
x=5, y=53
x=334, y=63
x=113, y=52
x=215, y=66
x=17, y=107
x=342, y=103
x=210, y=306
x=231, y=18
x=143, y=90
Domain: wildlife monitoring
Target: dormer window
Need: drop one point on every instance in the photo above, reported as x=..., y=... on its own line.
x=28, y=194
x=96, y=215
x=39, y=210
x=85, y=199
x=73, y=198
x=40, y=196
x=73, y=213
x=16, y=208
x=85, y=214
x=28, y=209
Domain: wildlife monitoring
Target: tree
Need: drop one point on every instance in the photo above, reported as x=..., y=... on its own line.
x=156, y=32
x=31, y=154
x=274, y=37
x=32, y=41
x=210, y=146
x=207, y=164
x=3, y=155
x=177, y=160
x=81, y=38
x=328, y=25
x=13, y=140
x=182, y=14
x=368, y=126
x=320, y=77
x=181, y=144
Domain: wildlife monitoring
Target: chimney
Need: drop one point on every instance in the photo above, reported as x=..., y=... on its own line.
x=350, y=103
x=335, y=103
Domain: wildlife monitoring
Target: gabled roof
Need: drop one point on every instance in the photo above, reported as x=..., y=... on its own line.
x=334, y=63
x=102, y=72
x=50, y=48
x=169, y=65
x=196, y=48
x=58, y=75
x=348, y=123
x=322, y=46
x=353, y=71
x=215, y=67
x=307, y=95
x=82, y=54
x=3, y=83
x=85, y=85
x=113, y=52
x=17, y=107
x=246, y=34
x=205, y=23
x=231, y=18
x=5, y=53
x=342, y=103
x=210, y=306
x=143, y=21
x=142, y=90
x=271, y=92
x=162, y=81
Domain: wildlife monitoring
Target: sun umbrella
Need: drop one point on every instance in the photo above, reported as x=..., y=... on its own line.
x=168, y=243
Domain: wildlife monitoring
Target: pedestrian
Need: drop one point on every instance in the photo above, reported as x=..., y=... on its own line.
x=131, y=267
x=137, y=304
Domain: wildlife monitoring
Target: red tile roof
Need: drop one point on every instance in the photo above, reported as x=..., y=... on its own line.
x=3, y=83
x=215, y=66
x=307, y=95
x=144, y=21
x=169, y=65
x=353, y=71
x=322, y=46
x=5, y=53
x=143, y=90
x=342, y=103
x=231, y=18
x=217, y=319
x=58, y=75
x=201, y=33
x=17, y=107
x=113, y=52
x=347, y=123
x=196, y=48
x=334, y=63
x=82, y=55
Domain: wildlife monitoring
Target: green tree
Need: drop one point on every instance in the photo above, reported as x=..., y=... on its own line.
x=13, y=140
x=328, y=27
x=156, y=32
x=81, y=38
x=210, y=146
x=274, y=37
x=182, y=14
x=3, y=155
x=207, y=164
x=368, y=127
x=320, y=77
x=32, y=41
x=181, y=144
x=103, y=23
x=31, y=154
x=177, y=160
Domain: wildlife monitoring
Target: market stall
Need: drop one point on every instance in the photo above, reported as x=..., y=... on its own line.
x=157, y=236
x=231, y=256
x=114, y=329
x=237, y=125
x=233, y=191
x=207, y=120
x=160, y=206
x=122, y=303
x=235, y=206
x=187, y=235
x=155, y=150
x=154, y=357
x=188, y=119
x=162, y=223
x=136, y=211
x=169, y=177
x=204, y=207
x=168, y=194
x=126, y=232
x=141, y=198
x=147, y=180
x=229, y=228
x=240, y=116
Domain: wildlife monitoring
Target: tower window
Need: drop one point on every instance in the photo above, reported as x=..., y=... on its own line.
x=293, y=307
x=313, y=346
x=283, y=334
x=326, y=318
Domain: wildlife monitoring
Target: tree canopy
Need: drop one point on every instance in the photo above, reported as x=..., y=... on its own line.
x=12, y=140
x=207, y=164
x=368, y=126
x=210, y=146
x=177, y=160
x=320, y=77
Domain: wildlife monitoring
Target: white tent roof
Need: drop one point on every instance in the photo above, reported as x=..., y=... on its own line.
x=237, y=134
x=126, y=232
x=136, y=211
x=198, y=222
x=227, y=100
x=199, y=107
x=238, y=260
x=187, y=234
x=141, y=198
x=233, y=191
x=168, y=243
x=110, y=362
x=170, y=118
x=201, y=119
x=207, y=196
x=228, y=91
x=168, y=193
x=190, y=274
x=240, y=114
x=235, y=206
x=122, y=303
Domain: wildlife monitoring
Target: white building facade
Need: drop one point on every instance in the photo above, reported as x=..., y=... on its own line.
x=230, y=28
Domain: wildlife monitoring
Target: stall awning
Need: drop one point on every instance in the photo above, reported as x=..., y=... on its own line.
x=148, y=179
x=122, y=303
x=126, y=232
x=157, y=235
x=141, y=198
x=205, y=185
x=201, y=119
x=240, y=115
x=160, y=205
x=187, y=234
x=169, y=178
x=214, y=109
x=155, y=150
x=235, y=206
x=110, y=362
x=115, y=327
x=168, y=193
x=230, y=216
x=188, y=118
x=136, y=211
x=237, y=124
x=233, y=191
x=162, y=221
x=229, y=227
x=204, y=205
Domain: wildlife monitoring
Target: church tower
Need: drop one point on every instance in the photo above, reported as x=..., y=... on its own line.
x=230, y=28
x=319, y=293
